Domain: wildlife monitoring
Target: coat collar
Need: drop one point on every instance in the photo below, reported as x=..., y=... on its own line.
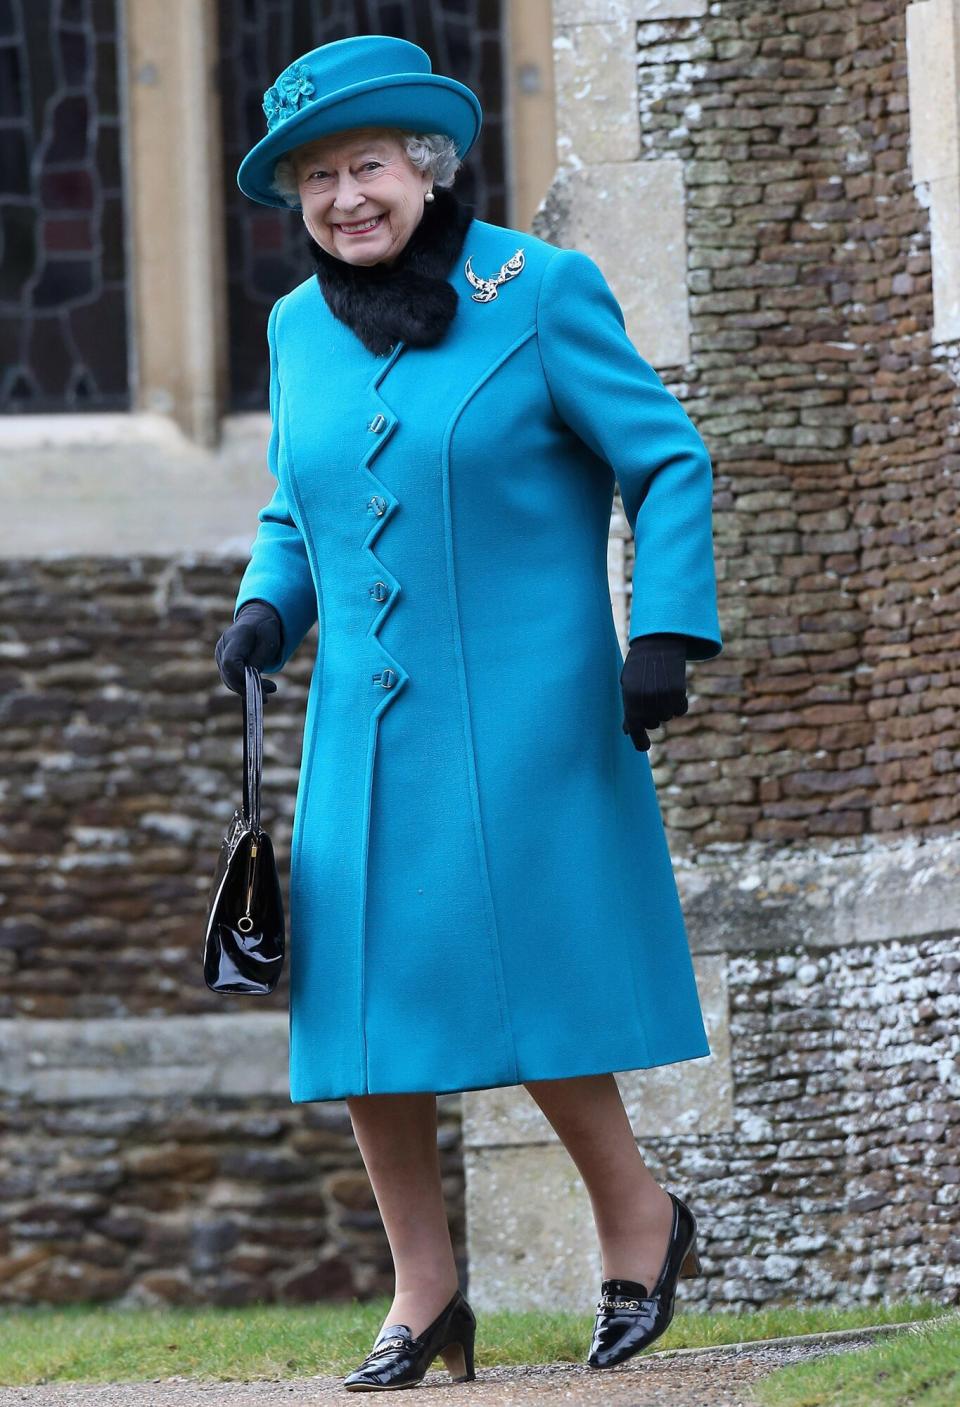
x=410, y=300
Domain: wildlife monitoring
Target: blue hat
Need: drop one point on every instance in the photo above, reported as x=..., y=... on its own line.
x=369, y=80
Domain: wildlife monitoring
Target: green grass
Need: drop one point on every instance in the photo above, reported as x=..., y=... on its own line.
x=919, y=1368
x=106, y=1344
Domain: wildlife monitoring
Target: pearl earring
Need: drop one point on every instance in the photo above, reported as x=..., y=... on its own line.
x=429, y=196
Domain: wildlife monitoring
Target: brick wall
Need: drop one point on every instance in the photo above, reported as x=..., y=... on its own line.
x=832, y=422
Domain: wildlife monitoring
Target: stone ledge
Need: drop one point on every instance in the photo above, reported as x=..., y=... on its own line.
x=122, y=485
x=826, y=1336
x=235, y=1056
x=753, y=898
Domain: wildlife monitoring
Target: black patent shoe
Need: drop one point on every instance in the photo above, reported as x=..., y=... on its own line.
x=628, y=1318
x=399, y=1360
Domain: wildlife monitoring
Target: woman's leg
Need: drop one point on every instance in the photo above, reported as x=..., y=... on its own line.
x=397, y=1138
x=633, y=1213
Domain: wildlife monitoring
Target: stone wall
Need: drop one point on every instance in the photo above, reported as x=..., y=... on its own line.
x=825, y=736
x=832, y=421
x=830, y=412
x=160, y=1160
x=818, y=1144
x=840, y=1181
x=122, y=767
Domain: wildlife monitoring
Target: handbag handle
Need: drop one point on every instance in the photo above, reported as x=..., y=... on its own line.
x=252, y=699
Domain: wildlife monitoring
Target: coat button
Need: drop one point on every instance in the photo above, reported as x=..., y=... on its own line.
x=377, y=505
x=377, y=423
x=386, y=678
x=380, y=591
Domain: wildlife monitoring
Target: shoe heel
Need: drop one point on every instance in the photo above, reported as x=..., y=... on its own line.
x=457, y=1352
x=691, y=1262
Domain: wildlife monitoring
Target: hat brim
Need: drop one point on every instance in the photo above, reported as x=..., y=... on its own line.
x=416, y=102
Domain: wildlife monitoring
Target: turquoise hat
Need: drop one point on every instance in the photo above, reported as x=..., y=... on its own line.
x=369, y=80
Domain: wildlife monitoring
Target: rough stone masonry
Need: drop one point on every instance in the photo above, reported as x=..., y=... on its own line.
x=810, y=792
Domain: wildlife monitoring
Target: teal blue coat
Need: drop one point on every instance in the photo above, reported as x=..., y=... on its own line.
x=481, y=891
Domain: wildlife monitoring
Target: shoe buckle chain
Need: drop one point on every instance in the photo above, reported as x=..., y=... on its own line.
x=389, y=1344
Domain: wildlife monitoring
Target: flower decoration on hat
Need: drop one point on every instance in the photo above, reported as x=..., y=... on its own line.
x=287, y=95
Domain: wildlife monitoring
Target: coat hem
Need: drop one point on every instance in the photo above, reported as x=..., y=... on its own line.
x=501, y=1083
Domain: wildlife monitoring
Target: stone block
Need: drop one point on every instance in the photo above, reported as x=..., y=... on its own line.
x=567, y=12
x=629, y=217
x=596, y=83
x=531, y=1242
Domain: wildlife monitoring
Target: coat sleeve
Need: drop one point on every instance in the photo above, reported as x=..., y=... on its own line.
x=279, y=569
x=616, y=403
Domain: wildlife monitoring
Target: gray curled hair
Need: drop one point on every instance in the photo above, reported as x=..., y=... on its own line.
x=427, y=151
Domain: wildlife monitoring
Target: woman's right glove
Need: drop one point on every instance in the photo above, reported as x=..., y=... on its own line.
x=254, y=638
x=653, y=682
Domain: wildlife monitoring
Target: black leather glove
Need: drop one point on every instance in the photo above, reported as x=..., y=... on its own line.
x=254, y=638
x=654, y=684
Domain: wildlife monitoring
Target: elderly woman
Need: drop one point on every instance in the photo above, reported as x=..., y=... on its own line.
x=481, y=892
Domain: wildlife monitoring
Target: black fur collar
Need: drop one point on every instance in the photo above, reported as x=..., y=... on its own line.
x=410, y=299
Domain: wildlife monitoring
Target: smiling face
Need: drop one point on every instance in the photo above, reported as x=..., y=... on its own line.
x=351, y=177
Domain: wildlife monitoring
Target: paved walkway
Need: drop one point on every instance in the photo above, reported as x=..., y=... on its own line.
x=685, y=1377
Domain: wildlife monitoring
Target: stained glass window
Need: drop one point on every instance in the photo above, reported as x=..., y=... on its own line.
x=267, y=250
x=63, y=315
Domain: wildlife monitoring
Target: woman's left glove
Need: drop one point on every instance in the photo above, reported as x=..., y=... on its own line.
x=654, y=684
x=255, y=638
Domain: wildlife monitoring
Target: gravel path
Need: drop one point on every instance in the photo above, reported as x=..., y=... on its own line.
x=685, y=1377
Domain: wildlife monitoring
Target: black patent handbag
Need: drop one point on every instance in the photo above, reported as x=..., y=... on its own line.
x=244, y=941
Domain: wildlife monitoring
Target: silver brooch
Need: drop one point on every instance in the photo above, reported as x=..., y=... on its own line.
x=487, y=287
